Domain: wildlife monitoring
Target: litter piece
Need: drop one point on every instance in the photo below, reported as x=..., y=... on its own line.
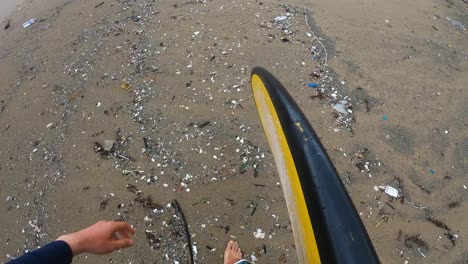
x=259, y=234
x=108, y=144
x=341, y=107
x=126, y=87
x=29, y=22
x=391, y=191
x=456, y=24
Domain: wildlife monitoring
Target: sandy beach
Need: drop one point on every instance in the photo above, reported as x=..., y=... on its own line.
x=142, y=111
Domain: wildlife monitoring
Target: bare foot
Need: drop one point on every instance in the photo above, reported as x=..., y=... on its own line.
x=232, y=254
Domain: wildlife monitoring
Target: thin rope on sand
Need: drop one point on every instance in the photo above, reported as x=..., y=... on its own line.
x=316, y=38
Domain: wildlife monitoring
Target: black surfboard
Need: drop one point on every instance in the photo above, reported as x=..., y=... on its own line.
x=325, y=223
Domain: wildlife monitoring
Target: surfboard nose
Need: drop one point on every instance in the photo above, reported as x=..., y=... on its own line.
x=325, y=223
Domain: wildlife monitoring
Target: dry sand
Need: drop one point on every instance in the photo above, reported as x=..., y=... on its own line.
x=186, y=127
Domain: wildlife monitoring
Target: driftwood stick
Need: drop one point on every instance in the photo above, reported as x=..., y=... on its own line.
x=177, y=207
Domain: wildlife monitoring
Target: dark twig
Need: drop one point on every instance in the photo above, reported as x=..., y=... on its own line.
x=98, y=5
x=176, y=205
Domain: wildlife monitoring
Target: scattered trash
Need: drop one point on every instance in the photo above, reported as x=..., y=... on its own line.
x=313, y=85
x=282, y=23
x=253, y=257
x=49, y=125
x=280, y=19
x=432, y=171
x=29, y=22
x=388, y=190
x=126, y=87
x=457, y=24
x=108, y=144
x=385, y=117
x=259, y=234
x=341, y=107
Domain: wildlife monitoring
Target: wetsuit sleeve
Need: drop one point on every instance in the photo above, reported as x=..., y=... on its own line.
x=57, y=252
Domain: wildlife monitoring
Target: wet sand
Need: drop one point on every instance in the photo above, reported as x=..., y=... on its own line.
x=168, y=82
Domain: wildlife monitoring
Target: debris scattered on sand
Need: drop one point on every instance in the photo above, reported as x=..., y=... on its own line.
x=341, y=107
x=456, y=24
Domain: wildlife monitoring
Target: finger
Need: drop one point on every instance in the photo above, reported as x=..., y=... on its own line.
x=122, y=243
x=122, y=226
x=122, y=234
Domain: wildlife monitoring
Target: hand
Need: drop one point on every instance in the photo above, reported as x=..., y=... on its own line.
x=101, y=238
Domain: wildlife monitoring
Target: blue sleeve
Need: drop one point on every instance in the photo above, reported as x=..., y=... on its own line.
x=57, y=252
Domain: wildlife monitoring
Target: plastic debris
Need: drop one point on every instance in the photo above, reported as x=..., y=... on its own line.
x=29, y=22
x=313, y=85
x=432, y=171
x=259, y=234
x=108, y=144
x=280, y=18
x=282, y=23
x=457, y=24
x=341, y=107
x=391, y=191
x=126, y=86
x=385, y=117
x=253, y=257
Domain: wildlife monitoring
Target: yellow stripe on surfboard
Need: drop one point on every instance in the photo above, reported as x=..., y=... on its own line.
x=304, y=237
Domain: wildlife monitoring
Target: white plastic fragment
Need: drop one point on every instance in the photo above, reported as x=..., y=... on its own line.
x=341, y=107
x=280, y=18
x=253, y=257
x=259, y=234
x=194, y=249
x=29, y=22
x=393, y=192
